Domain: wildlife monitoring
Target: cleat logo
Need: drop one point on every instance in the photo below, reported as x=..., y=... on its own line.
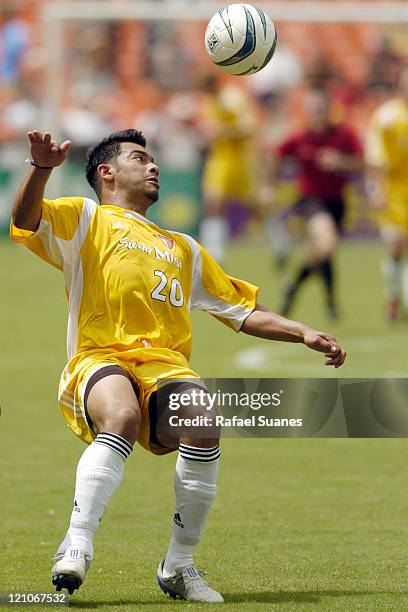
x=191, y=572
x=74, y=554
x=177, y=520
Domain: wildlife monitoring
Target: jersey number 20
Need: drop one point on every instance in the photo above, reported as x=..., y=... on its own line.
x=176, y=297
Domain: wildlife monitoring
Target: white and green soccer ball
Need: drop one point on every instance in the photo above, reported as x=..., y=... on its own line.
x=241, y=39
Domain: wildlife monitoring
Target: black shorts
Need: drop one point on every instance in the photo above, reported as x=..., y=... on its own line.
x=308, y=206
x=158, y=402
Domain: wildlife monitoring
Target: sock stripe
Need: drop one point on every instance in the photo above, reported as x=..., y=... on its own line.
x=197, y=448
x=115, y=442
x=112, y=447
x=111, y=443
x=118, y=438
x=199, y=454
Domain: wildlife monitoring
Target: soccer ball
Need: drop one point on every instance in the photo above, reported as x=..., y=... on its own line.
x=240, y=39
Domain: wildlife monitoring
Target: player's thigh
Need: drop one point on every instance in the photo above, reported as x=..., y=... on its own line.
x=322, y=234
x=187, y=416
x=112, y=405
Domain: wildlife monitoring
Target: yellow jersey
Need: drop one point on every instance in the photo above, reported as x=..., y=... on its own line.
x=230, y=168
x=387, y=145
x=130, y=284
x=230, y=110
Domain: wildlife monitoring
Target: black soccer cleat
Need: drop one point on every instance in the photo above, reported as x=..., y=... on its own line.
x=66, y=581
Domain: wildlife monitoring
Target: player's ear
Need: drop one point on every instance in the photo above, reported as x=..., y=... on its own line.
x=105, y=172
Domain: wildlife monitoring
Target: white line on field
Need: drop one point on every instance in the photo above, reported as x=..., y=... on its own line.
x=271, y=357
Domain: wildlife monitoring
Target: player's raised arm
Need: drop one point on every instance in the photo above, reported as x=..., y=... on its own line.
x=263, y=323
x=46, y=154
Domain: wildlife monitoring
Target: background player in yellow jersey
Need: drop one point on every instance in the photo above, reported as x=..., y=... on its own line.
x=131, y=286
x=387, y=186
x=230, y=165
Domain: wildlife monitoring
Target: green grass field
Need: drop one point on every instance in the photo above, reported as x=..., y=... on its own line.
x=316, y=524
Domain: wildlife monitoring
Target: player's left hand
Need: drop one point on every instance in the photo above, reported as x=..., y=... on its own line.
x=324, y=343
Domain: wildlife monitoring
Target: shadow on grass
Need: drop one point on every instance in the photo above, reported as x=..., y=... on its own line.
x=300, y=596
x=310, y=597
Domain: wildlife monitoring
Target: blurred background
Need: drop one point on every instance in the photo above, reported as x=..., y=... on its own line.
x=83, y=70
x=148, y=74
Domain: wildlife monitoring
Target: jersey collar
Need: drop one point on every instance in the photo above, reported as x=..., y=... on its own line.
x=130, y=214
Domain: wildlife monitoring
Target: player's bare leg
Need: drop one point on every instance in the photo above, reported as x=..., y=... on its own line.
x=395, y=273
x=322, y=237
x=115, y=414
x=195, y=487
x=214, y=227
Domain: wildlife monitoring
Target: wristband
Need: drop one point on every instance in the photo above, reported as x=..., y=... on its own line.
x=32, y=163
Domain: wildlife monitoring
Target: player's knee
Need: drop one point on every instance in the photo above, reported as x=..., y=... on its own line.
x=200, y=426
x=325, y=246
x=122, y=420
x=205, y=434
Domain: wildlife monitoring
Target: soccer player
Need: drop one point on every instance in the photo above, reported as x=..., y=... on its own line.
x=230, y=165
x=130, y=287
x=386, y=154
x=325, y=155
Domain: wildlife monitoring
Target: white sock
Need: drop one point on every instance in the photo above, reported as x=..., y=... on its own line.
x=278, y=237
x=213, y=236
x=99, y=473
x=195, y=486
x=391, y=270
x=405, y=288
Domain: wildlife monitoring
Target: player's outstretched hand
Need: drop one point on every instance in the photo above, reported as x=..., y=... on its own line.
x=46, y=152
x=324, y=343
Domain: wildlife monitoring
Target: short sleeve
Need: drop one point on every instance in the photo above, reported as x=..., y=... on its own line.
x=60, y=220
x=228, y=299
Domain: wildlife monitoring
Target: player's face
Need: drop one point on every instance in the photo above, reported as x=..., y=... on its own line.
x=317, y=110
x=137, y=172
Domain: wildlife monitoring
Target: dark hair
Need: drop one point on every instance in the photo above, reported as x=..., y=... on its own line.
x=106, y=151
